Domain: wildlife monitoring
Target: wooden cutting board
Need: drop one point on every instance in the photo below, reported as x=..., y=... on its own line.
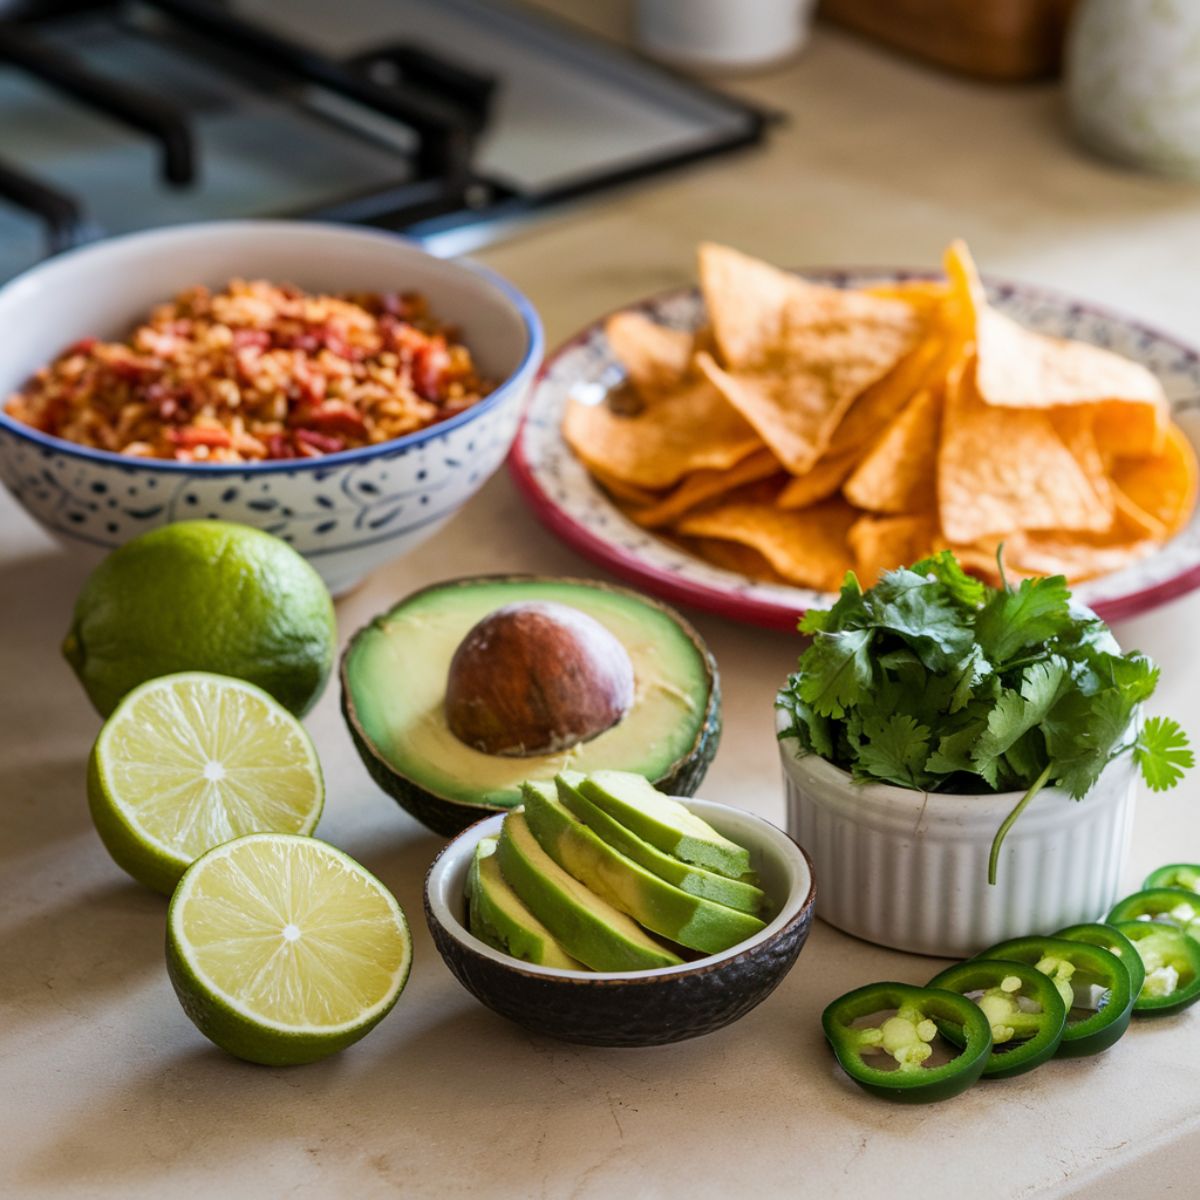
x=1001, y=40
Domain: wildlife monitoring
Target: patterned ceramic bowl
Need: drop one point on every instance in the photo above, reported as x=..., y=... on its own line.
x=346, y=512
x=632, y=1008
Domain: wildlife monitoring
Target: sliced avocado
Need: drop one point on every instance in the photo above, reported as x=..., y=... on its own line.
x=498, y=917
x=696, y=881
x=664, y=822
x=659, y=906
x=394, y=675
x=586, y=926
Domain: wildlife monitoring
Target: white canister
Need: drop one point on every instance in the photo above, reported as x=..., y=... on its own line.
x=908, y=869
x=720, y=34
x=1133, y=81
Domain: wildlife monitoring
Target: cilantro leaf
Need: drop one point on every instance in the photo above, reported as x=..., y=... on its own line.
x=923, y=614
x=1015, y=713
x=1082, y=734
x=836, y=670
x=1038, y=611
x=894, y=750
x=846, y=613
x=953, y=753
x=944, y=567
x=1163, y=753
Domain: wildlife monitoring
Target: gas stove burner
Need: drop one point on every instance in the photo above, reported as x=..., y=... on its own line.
x=449, y=119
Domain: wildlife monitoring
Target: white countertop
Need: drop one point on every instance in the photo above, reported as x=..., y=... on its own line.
x=110, y=1092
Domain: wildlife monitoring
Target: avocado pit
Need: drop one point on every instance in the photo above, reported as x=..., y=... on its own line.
x=536, y=677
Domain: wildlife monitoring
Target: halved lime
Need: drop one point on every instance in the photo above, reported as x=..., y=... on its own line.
x=189, y=761
x=283, y=949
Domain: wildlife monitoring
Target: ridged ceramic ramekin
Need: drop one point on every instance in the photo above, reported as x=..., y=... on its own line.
x=908, y=869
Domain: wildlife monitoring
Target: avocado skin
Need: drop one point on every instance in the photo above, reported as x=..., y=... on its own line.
x=450, y=817
x=638, y=1011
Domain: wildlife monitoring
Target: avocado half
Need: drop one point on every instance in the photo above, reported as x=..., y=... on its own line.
x=394, y=671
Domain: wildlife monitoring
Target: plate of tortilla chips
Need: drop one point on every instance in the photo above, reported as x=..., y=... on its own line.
x=742, y=445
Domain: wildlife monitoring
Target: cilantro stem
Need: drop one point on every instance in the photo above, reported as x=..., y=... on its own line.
x=1021, y=805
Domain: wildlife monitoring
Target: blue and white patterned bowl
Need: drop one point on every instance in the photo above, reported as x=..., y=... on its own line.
x=346, y=512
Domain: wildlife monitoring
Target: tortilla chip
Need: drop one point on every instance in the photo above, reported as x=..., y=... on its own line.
x=1077, y=428
x=885, y=543
x=1128, y=429
x=925, y=295
x=689, y=430
x=656, y=359
x=702, y=486
x=796, y=404
x=1001, y=470
x=1163, y=486
x=732, y=556
x=798, y=353
x=746, y=301
x=628, y=493
x=1018, y=368
x=899, y=473
x=1137, y=518
x=826, y=476
x=882, y=402
x=807, y=548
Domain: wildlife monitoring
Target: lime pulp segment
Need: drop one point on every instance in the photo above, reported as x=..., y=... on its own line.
x=189, y=761
x=283, y=949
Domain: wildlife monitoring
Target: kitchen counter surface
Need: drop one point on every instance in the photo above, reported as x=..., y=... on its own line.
x=110, y=1092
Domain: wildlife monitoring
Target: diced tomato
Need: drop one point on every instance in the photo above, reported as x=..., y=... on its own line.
x=336, y=416
x=193, y=436
x=429, y=369
x=307, y=442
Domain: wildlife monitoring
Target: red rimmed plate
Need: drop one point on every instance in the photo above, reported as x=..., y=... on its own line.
x=573, y=506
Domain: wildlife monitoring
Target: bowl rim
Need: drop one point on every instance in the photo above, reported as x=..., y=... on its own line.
x=799, y=904
x=530, y=358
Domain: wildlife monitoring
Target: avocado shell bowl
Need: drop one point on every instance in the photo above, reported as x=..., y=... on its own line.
x=431, y=802
x=635, y=1008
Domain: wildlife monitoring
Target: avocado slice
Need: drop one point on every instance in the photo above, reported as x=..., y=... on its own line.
x=498, y=917
x=696, y=881
x=664, y=822
x=659, y=906
x=586, y=926
x=394, y=673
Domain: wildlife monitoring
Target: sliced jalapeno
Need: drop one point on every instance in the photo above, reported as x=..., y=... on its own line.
x=1172, y=961
x=1022, y=1038
x=1167, y=905
x=1177, y=875
x=1071, y=965
x=906, y=1037
x=1115, y=942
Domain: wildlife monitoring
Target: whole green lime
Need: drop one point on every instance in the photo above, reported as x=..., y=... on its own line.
x=203, y=596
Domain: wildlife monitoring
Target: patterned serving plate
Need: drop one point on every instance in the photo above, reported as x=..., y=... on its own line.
x=576, y=508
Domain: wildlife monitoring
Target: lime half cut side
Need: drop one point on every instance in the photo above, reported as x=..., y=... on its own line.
x=189, y=761
x=283, y=950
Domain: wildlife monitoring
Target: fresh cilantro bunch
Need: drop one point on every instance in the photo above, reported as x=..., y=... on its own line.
x=932, y=680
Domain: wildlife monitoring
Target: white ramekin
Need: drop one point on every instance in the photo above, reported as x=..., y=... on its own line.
x=908, y=869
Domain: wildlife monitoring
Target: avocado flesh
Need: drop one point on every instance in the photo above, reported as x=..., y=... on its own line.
x=498, y=917
x=394, y=679
x=696, y=881
x=659, y=906
x=587, y=927
x=664, y=822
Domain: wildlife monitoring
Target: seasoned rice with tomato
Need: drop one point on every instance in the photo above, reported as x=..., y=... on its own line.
x=257, y=371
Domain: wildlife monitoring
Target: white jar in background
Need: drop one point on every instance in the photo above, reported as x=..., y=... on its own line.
x=1133, y=81
x=722, y=34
